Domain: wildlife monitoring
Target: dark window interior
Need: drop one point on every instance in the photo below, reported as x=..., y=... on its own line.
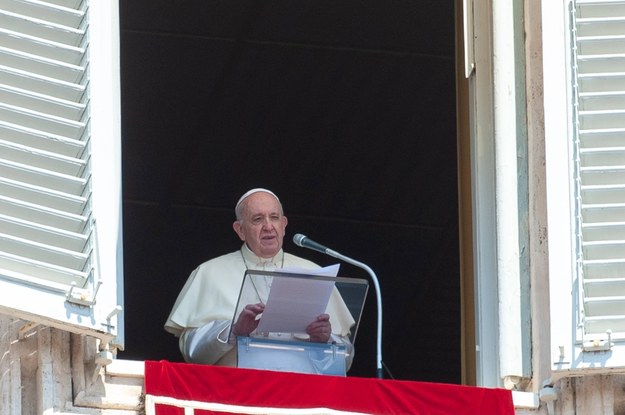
x=346, y=109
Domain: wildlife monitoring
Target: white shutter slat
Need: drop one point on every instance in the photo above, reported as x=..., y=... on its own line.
x=605, y=119
x=604, y=249
x=43, y=215
x=604, y=230
x=71, y=4
x=602, y=156
x=604, y=269
x=54, y=12
x=38, y=251
x=42, y=121
x=594, y=101
x=43, y=48
x=605, y=307
x=601, y=138
x=604, y=194
x=601, y=9
x=51, y=68
x=45, y=275
x=41, y=28
x=38, y=102
x=602, y=287
x=49, y=235
x=602, y=47
x=600, y=177
x=47, y=179
x=22, y=135
x=600, y=74
x=605, y=82
x=45, y=85
x=606, y=323
x=597, y=214
x=42, y=158
x=601, y=26
x=611, y=66
x=43, y=196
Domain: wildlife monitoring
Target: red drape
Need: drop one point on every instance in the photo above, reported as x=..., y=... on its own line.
x=244, y=391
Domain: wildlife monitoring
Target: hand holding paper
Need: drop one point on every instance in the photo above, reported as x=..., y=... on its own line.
x=320, y=329
x=248, y=321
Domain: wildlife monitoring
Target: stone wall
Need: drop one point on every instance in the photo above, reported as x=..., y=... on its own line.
x=48, y=370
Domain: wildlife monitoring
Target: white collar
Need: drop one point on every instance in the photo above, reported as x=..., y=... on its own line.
x=251, y=259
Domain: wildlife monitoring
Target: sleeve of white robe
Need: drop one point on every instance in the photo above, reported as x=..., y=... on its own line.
x=206, y=344
x=349, y=348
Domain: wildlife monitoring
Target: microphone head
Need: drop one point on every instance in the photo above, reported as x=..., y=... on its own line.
x=298, y=239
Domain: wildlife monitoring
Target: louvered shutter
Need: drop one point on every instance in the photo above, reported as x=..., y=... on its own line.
x=60, y=238
x=599, y=169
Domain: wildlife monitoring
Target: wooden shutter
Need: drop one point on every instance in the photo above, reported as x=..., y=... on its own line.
x=599, y=86
x=51, y=244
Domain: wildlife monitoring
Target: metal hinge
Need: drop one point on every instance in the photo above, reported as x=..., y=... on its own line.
x=81, y=296
x=599, y=344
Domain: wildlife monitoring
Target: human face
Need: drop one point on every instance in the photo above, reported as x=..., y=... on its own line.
x=262, y=224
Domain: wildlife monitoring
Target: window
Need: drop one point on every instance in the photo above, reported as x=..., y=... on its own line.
x=60, y=209
x=587, y=181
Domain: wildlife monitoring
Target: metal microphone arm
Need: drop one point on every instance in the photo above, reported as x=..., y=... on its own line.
x=379, y=370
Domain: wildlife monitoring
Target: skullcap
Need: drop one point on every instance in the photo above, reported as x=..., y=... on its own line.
x=251, y=192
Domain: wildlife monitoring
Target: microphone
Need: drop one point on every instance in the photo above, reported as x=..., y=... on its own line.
x=305, y=242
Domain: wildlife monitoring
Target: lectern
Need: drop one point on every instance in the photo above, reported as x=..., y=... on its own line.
x=292, y=301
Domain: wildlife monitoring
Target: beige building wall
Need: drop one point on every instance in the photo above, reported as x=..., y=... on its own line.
x=46, y=370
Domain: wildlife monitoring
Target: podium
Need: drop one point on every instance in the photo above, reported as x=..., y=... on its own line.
x=292, y=301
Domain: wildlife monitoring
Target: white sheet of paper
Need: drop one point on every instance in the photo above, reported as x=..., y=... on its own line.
x=329, y=271
x=294, y=303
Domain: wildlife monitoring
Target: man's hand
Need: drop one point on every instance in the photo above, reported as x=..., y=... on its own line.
x=320, y=329
x=247, y=321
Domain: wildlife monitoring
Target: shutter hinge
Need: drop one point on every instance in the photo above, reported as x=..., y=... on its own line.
x=81, y=296
x=599, y=344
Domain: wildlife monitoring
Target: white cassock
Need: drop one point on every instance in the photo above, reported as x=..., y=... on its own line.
x=202, y=314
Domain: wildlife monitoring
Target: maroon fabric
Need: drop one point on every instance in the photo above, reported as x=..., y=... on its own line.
x=258, y=388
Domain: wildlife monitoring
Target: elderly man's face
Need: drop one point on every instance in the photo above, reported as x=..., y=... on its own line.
x=263, y=224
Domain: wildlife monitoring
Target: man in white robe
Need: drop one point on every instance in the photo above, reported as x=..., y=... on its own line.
x=202, y=314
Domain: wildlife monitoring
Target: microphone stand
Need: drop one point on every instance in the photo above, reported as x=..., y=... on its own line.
x=379, y=370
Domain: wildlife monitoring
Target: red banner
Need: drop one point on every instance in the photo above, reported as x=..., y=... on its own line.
x=172, y=387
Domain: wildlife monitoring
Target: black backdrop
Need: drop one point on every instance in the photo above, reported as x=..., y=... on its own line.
x=346, y=109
